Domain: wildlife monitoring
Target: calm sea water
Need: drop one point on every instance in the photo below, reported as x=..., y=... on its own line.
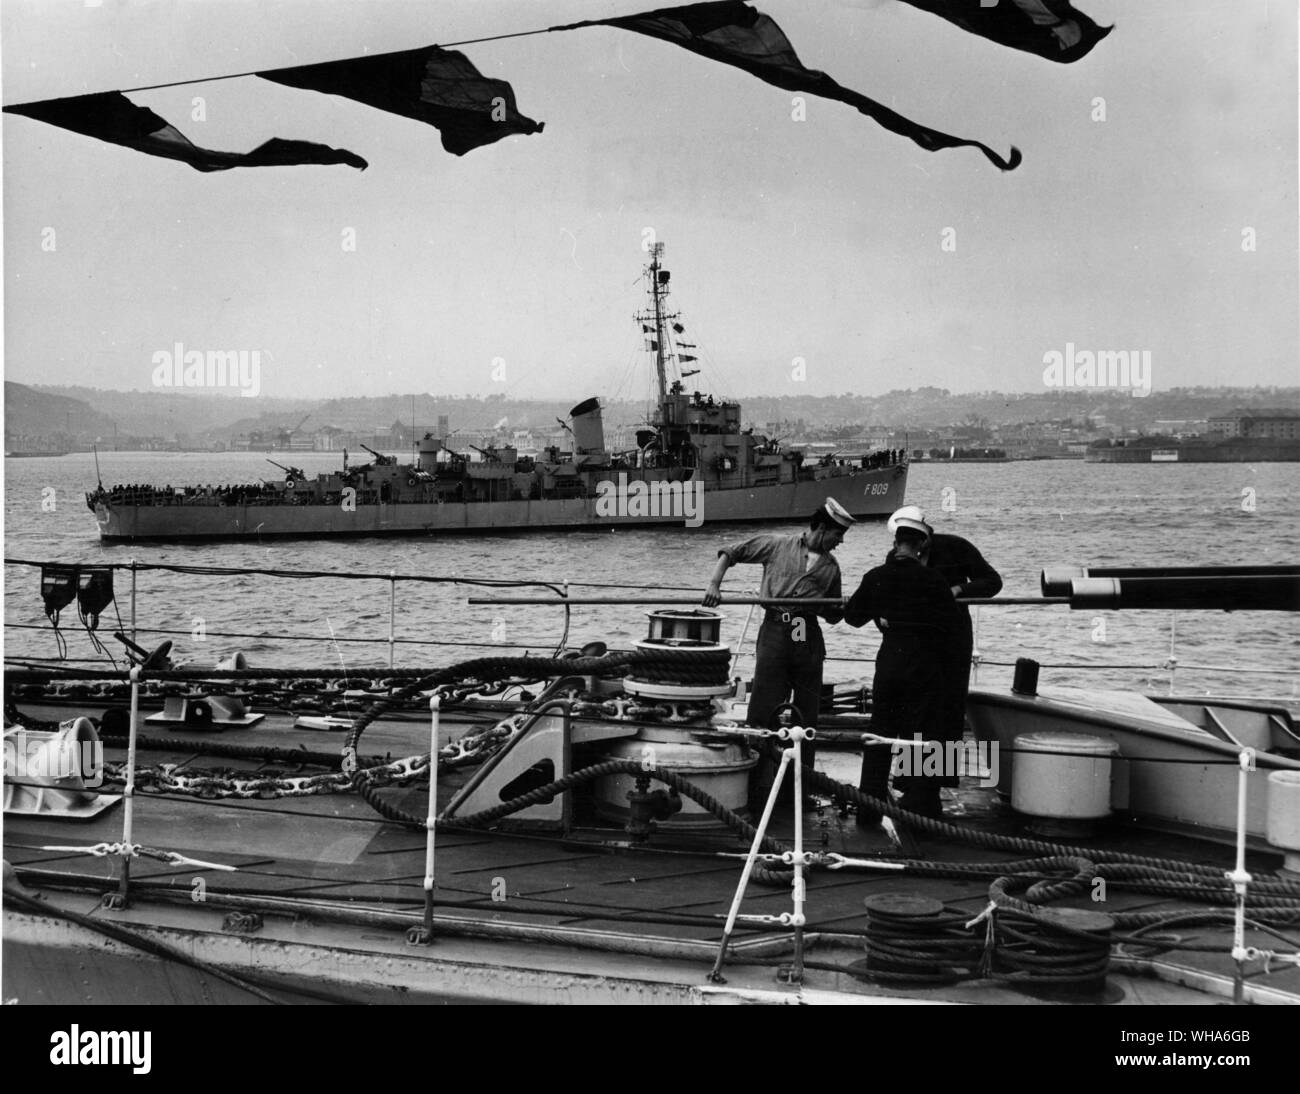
x=1022, y=516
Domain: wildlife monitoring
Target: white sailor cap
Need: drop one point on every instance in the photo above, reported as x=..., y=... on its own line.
x=910, y=516
x=838, y=513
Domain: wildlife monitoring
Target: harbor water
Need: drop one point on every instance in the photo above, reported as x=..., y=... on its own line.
x=1023, y=516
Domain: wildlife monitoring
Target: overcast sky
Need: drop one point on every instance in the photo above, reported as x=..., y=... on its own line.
x=818, y=239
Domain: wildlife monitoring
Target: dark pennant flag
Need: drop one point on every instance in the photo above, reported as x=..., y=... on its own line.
x=436, y=86
x=1050, y=28
x=732, y=32
x=111, y=116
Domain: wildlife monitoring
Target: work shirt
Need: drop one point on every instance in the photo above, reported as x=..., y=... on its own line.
x=790, y=569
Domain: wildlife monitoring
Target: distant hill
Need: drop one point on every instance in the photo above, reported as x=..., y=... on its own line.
x=83, y=414
x=34, y=411
x=160, y=413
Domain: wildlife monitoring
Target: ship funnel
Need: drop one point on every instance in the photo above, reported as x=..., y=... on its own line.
x=430, y=446
x=588, y=431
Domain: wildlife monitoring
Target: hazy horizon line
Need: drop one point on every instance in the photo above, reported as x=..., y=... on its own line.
x=234, y=394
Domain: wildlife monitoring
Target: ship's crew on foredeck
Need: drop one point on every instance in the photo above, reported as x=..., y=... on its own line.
x=791, y=648
x=967, y=575
x=919, y=621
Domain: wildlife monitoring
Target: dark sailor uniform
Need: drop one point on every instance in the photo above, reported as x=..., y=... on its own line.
x=960, y=563
x=919, y=622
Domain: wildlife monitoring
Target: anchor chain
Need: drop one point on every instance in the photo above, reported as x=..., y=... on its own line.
x=224, y=783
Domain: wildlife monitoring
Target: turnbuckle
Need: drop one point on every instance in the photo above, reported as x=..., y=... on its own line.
x=136, y=850
x=785, y=919
x=834, y=861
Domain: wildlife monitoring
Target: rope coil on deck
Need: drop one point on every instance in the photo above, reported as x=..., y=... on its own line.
x=1035, y=951
x=912, y=941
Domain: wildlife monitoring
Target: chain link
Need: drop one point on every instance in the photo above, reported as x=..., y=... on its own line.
x=472, y=748
x=295, y=696
x=205, y=783
x=164, y=779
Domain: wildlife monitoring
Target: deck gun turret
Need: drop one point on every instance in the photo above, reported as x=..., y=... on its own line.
x=292, y=475
x=380, y=459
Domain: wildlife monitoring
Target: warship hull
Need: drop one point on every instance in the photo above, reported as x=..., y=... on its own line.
x=864, y=493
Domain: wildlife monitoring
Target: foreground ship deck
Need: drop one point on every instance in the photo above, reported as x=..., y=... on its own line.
x=326, y=890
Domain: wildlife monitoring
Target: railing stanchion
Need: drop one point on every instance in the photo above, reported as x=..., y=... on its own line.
x=568, y=619
x=792, y=756
x=1240, y=879
x=796, y=744
x=128, y=791
x=760, y=833
x=423, y=935
x=392, y=614
x=1173, y=657
x=744, y=633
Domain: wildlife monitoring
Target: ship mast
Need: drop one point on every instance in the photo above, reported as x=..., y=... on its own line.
x=657, y=293
x=658, y=316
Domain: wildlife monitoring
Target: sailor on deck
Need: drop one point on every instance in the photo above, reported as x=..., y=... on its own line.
x=791, y=648
x=967, y=574
x=920, y=622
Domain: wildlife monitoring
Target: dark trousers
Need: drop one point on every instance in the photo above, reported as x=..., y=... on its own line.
x=954, y=686
x=788, y=670
x=911, y=696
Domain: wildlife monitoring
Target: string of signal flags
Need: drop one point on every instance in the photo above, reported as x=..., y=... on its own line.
x=440, y=87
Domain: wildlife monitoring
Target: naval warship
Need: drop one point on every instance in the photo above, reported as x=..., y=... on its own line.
x=692, y=463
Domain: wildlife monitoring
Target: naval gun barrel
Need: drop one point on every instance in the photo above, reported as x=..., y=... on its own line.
x=292, y=475
x=1056, y=580
x=1226, y=592
x=380, y=459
